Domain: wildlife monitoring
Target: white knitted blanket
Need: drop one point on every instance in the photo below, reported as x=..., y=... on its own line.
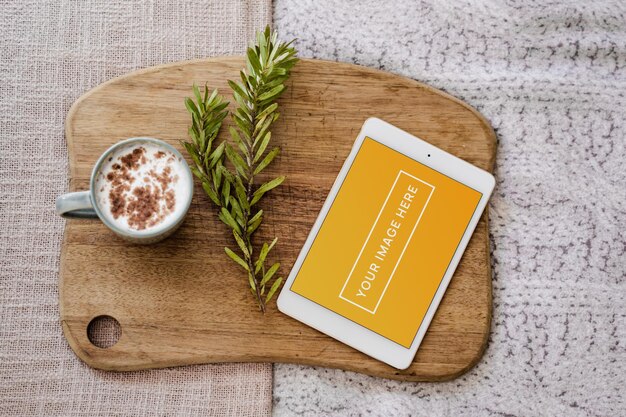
x=551, y=78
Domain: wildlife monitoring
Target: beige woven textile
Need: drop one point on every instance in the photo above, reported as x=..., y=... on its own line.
x=51, y=52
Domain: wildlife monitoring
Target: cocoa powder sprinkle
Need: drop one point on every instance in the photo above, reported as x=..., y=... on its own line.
x=133, y=159
x=144, y=209
x=143, y=205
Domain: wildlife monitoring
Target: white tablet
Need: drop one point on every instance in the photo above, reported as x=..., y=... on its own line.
x=386, y=243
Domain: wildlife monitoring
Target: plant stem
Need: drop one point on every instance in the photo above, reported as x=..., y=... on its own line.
x=246, y=213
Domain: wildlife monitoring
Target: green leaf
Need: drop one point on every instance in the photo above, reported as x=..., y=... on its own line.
x=273, y=289
x=217, y=180
x=262, y=42
x=271, y=84
x=266, y=161
x=288, y=64
x=218, y=108
x=196, y=172
x=244, y=104
x=216, y=155
x=201, y=141
x=270, y=273
x=269, y=109
x=238, y=162
x=253, y=59
x=237, y=210
x=272, y=244
x=283, y=56
x=228, y=219
x=236, y=258
x=262, y=146
x=240, y=191
x=243, y=113
x=213, y=95
x=274, y=92
x=265, y=249
x=261, y=259
x=265, y=188
x=191, y=107
x=272, y=57
x=209, y=191
x=248, y=81
x=241, y=145
x=235, y=135
x=280, y=71
x=196, y=92
x=237, y=88
x=242, y=244
x=265, y=125
x=257, y=216
x=196, y=122
x=251, y=281
x=244, y=125
x=213, y=126
x=193, y=134
x=222, y=218
x=253, y=226
x=226, y=191
x=193, y=153
x=225, y=172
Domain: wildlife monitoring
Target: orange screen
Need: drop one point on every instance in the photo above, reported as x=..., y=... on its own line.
x=386, y=242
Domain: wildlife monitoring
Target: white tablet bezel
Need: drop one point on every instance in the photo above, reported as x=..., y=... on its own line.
x=343, y=329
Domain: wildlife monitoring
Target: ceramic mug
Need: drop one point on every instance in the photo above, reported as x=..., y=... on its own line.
x=84, y=204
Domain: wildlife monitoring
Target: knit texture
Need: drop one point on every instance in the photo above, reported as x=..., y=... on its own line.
x=551, y=78
x=51, y=52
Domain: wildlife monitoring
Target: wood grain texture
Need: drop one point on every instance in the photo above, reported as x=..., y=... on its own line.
x=182, y=301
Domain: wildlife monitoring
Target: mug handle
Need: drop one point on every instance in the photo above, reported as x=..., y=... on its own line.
x=76, y=205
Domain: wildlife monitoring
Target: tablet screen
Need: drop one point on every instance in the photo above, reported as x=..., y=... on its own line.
x=386, y=242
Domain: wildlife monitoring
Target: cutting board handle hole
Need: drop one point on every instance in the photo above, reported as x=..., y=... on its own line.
x=104, y=331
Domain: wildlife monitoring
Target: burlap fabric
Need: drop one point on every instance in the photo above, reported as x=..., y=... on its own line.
x=51, y=52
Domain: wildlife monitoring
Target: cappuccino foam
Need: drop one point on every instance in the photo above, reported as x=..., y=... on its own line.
x=142, y=187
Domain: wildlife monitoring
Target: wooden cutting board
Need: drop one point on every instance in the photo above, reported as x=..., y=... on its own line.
x=182, y=301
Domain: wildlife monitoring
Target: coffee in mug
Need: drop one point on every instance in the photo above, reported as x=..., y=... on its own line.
x=141, y=188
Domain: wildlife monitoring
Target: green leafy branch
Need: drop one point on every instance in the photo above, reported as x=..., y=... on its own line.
x=235, y=192
x=207, y=113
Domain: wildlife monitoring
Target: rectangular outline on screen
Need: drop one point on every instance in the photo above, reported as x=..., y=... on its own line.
x=400, y=172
